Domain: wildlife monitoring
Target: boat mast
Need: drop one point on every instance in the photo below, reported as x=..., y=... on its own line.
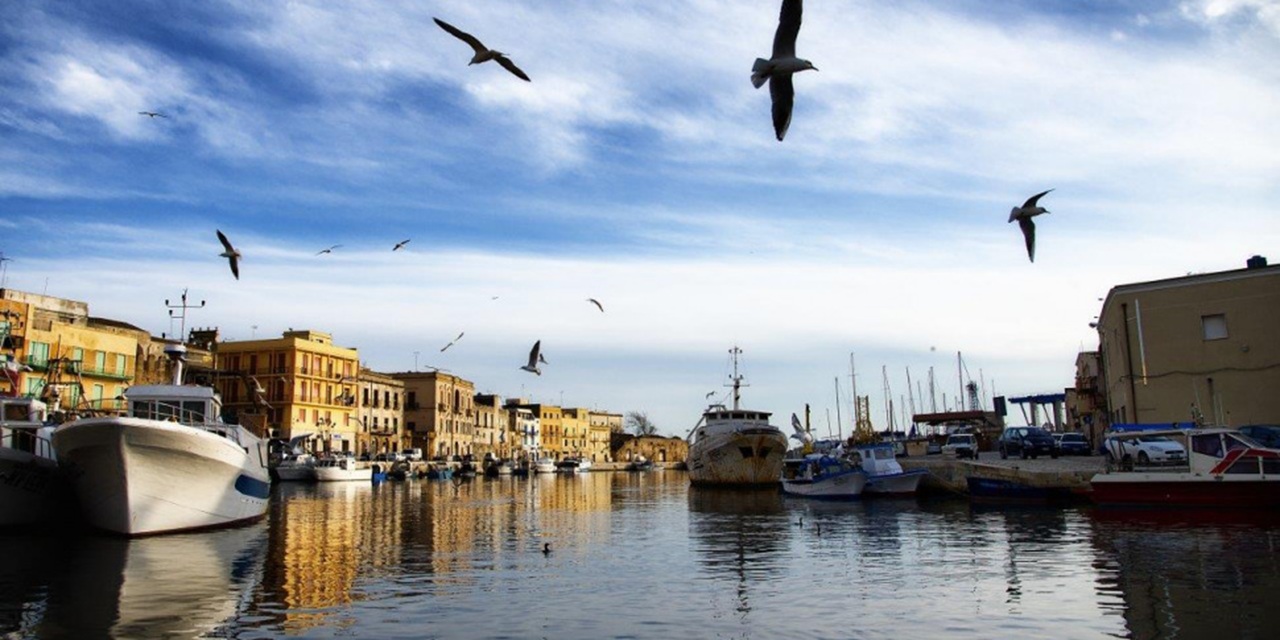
x=177, y=353
x=737, y=379
x=837, y=412
x=853, y=382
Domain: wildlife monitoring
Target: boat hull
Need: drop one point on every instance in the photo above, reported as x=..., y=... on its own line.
x=999, y=490
x=296, y=473
x=750, y=457
x=843, y=486
x=139, y=477
x=895, y=484
x=1187, y=490
x=338, y=474
x=31, y=488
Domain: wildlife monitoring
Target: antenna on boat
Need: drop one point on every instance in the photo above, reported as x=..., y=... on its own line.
x=737, y=379
x=177, y=353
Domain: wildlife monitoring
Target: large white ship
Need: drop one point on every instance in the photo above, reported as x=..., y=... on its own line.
x=735, y=446
x=171, y=464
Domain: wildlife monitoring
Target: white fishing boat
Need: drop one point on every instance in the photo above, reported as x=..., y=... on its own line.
x=735, y=446
x=295, y=463
x=30, y=486
x=341, y=469
x=170, y=464
x=885, y=475
x=823, y=476
x=544, y=465
x=573, y=465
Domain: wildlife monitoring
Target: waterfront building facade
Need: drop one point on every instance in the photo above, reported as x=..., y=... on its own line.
x=1198, y=347
x=526, y=430
x=308, y=381
x=629, y=447
x=380, y=414
x=576, y=426
x=72, y=361
x=491, y=437
x=440, y=412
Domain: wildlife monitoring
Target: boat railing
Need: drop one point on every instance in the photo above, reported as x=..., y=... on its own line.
x=27, y=439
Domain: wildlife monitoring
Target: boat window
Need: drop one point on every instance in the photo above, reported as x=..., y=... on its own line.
x=193, y=411
x=15, y=412
x=1234, y=442
x=1245, y=465
x=1207, y=444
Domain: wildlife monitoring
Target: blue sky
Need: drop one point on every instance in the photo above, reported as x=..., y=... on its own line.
x=639, y=167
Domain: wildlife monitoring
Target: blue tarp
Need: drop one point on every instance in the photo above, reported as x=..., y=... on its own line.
x=1150, y=426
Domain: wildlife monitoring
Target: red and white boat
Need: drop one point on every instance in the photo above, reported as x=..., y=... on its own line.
x=1225, y=469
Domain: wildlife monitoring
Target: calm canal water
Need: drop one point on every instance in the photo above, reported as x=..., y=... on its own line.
x=643, y=555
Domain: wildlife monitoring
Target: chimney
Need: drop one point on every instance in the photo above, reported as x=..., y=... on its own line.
x=1256, y=262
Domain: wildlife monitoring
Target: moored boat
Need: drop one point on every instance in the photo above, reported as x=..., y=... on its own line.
x=885, y=475
x=823, y=476
x=170, y=464
x=544, y=465
x=31, y=488
x=342, y=469
x=573, y=465
x=1225, y=469
x=735, y=446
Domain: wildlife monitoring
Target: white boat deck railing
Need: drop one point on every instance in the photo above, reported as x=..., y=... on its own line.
x=189, y=413
x=26, y=439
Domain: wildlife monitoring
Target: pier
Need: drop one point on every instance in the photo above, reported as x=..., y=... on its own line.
x=947, y=474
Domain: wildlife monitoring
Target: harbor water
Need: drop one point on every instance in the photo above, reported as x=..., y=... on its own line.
x=644, y=555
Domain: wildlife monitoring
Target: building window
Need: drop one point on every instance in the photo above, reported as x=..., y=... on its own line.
x=1215, y=326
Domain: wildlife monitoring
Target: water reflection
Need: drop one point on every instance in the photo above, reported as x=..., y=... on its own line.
x=1191, y=573
x=738, y=535
x=180, y=586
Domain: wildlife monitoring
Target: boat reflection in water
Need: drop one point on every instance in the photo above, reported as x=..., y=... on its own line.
x=178, y=586
x=738, y=535
x=1191, y=573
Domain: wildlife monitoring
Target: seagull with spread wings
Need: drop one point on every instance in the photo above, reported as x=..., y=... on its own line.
x=535, y=356
x=328, y=250
x=596, y=303
x=451, y=342
x=230, y=253
x=152, y=114
x=1024, y=215
x=483, y=53
x=778, y=69
x=401, y=244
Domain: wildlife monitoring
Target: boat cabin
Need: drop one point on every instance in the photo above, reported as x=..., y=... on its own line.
x=186, y=404
x=21, y=423
x=719, y=419
x=877, y=459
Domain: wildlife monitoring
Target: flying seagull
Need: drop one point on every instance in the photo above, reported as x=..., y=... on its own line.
x=152, y=114
x=596, y=303
x=1023, y=215
x=401, y=244
x=535, y=356
x=779, y=68
x=483, y=53
x=230, y=253
x=329, y=250
x=451, y=342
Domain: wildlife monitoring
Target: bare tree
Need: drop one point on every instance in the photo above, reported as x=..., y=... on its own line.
x=639, y=424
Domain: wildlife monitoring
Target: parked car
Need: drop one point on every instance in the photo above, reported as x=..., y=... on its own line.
x=1071, y=444
x=1026, y=442
x=961, y=445
x=1144, y=451
x=1267, y=435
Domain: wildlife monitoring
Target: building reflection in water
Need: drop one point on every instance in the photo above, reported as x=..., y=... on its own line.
x=173, y=586
x=1191, y=573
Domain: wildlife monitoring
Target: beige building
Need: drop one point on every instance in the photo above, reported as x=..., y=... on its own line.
x=627, y=447
x=67, y=358
x=491, y=436
x=380, y=414
x=1199, y=346
x=575, y=424
x=439, y=412
x=308, y=381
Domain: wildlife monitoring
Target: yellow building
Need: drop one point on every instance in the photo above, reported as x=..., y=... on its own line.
x=598, y=442
x=1202, y=346
x=576, y=426
x=439, y=412
x=380, y=414
x=309, y=382
x=72, y=361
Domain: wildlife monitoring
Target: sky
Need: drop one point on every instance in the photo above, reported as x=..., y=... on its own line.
x=640, y=168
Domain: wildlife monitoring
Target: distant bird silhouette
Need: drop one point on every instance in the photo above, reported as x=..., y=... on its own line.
x=401, y=244
x=483, y=53
x=709, y=394
x=451, y=342
x=800, y=522
x=535, y=356
x=1023, y=215
x=152, y=114
x=778, y=69
x=596, y=303
x=329, y=250
x=230, y=253
x=546, y=548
